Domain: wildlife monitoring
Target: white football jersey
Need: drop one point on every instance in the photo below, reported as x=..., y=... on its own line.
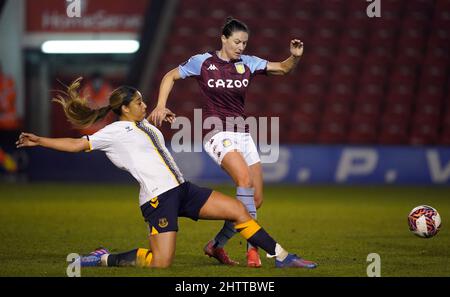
x=139, y=149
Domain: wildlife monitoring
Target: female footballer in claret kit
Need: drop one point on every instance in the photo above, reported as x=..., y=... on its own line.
x=224, y=77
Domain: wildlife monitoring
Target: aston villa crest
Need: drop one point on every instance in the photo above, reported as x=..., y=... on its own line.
x=240, y=68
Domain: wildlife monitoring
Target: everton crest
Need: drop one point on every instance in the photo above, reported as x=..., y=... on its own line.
x=163, y=223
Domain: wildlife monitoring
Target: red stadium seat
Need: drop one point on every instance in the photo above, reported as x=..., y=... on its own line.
x=436, y=55
x=303, y=129
x=357, y=20
x=308, y=107
x=390, y=20
x=403, y=74
x=337, y=110
x=429, y=110
x=383, y=38
x=373, y=73
x=325, y=35
x=363, y=130
x=409, y=55
x=345, y=73
x=439, y=37
x=381, y=54
x=434, y=74
x=445, y=135
x=368, y=107
x=393, y=130
x=332, y=131
x=424, y=6
x=351, y=56
x=371, y=91
x=432, y=93
x=279, y=104
x=424, y=130
x=398, y=106
x=393, y=6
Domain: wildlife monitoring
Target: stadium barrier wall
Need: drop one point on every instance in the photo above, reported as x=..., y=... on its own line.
x=296, y=164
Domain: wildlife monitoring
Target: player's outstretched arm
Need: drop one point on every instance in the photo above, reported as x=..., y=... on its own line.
x=71, y=145
x=161, y=113
x=282, y=68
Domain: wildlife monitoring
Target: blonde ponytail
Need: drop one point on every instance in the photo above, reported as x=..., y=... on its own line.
x=76, y=107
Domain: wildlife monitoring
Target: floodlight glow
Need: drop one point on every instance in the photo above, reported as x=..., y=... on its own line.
x=90, y=46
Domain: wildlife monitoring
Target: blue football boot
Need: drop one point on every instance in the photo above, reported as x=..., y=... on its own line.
x=294, y=261
x=94, y=258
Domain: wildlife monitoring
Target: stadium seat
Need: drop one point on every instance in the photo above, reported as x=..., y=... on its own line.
x=333, y=130
x=433, y=73
x=393, y=130
x=303, y=129
x=424, y=130
x=345, y=73
x=409, y=55
x=363, y=130
x=308, y=107
x=398, y=106
x=380, y=54
x=375, y=88
x=428, y=108
x=373, y=73
x=444, y=138
x=279, y=103
x=431, y=93
x=367, y=106
x=404, y=74
x=357, y=21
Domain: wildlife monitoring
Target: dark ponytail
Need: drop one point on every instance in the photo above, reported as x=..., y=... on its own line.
x=233, y=25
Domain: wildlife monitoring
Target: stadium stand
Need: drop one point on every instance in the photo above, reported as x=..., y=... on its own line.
x=361, y=81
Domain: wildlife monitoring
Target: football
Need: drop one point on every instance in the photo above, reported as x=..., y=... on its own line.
x=424, y=221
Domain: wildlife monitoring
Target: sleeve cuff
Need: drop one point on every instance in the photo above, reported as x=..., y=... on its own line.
x=90, y=144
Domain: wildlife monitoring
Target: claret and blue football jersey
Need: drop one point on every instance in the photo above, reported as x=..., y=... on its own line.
x=223, y=83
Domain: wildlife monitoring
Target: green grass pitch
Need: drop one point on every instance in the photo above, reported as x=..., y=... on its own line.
x=335, y=226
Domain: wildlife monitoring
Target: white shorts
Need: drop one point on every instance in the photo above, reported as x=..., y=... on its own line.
x=223, y=142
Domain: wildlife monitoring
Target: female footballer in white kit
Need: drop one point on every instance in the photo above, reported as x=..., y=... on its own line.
x=224, y=77
x=134, y=145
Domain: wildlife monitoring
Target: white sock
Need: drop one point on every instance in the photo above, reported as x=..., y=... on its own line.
x=280, y=253
x=104, y=260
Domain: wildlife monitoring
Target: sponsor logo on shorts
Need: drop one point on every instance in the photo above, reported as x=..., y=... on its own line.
x=163, y=223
